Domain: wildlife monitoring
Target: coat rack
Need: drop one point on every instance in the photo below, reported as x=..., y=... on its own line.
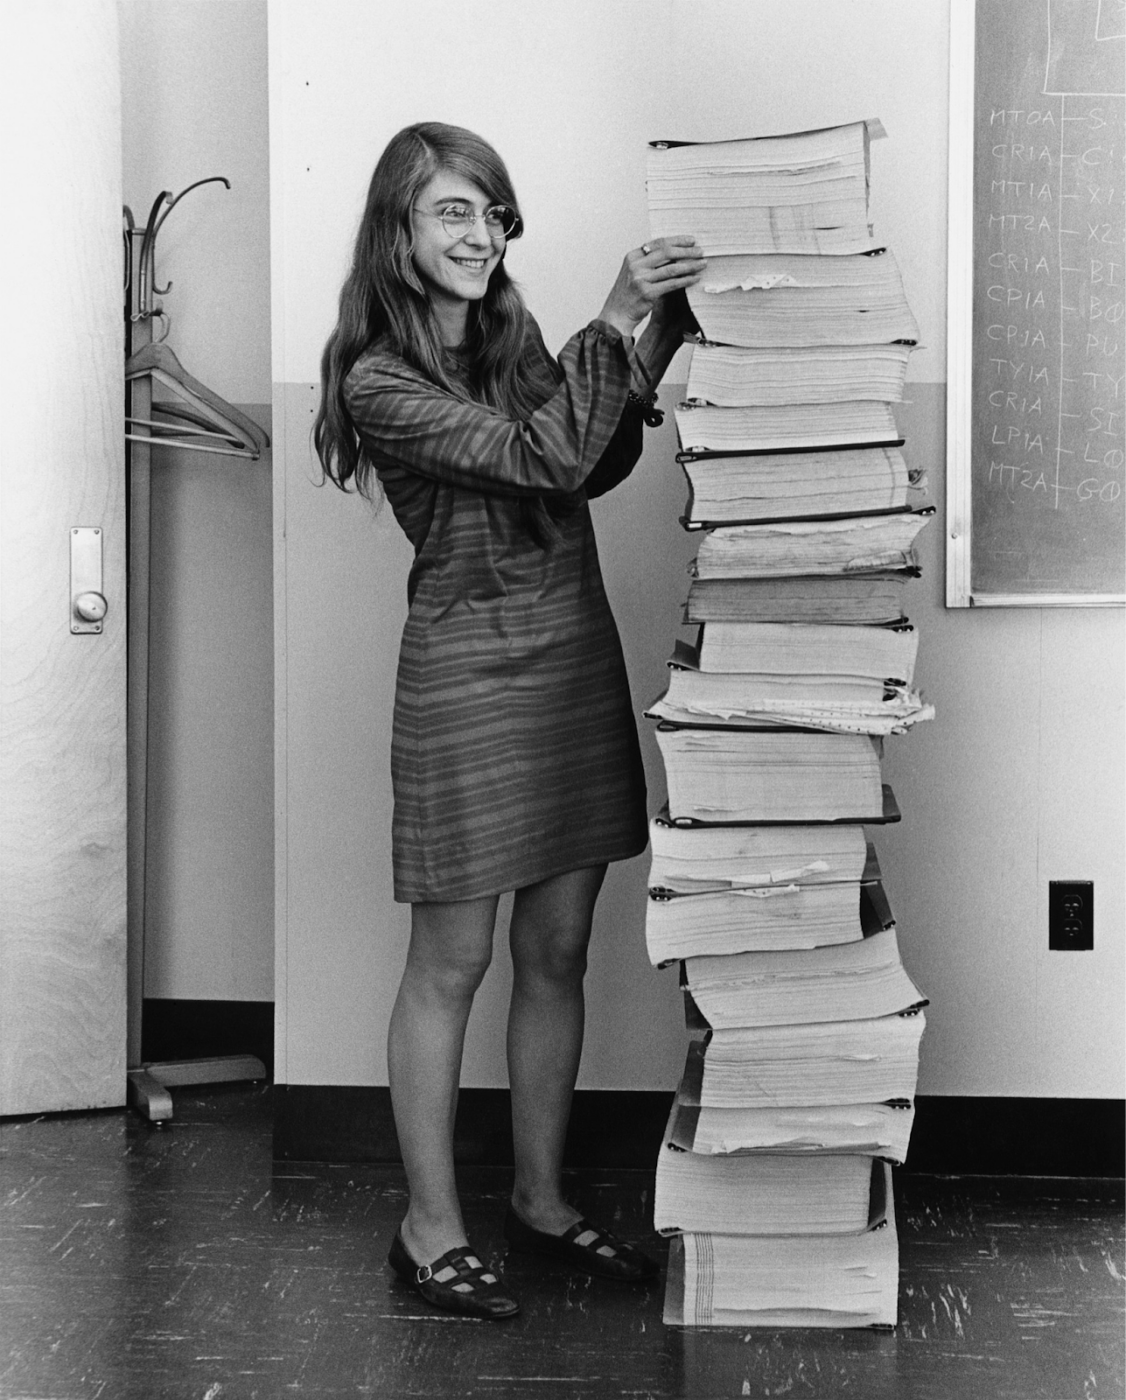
x=195, y=418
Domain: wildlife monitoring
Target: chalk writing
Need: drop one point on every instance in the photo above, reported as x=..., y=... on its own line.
x=1049, y=294
x=1049, y=305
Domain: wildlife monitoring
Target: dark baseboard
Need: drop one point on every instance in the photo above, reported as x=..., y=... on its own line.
x=190, y=1030
x=347, y=1124
x=1019, y=1137
x=623, y=1128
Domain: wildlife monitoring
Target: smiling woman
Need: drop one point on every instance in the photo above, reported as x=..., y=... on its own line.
x=450, y=221
x=515, y=760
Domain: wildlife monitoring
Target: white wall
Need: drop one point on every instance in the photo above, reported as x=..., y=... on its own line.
x=195, y=105
x=1017, y=782
x=988, y=819
x=570, y=95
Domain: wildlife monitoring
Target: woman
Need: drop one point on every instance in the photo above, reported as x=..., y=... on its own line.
x=515, y=761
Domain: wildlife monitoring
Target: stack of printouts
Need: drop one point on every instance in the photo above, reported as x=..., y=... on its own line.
x=804, y=1029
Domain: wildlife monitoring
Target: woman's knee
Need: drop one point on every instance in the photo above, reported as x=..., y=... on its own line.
x=454, y=978
x=554, y=951
x=551, y=925
x=451, y=948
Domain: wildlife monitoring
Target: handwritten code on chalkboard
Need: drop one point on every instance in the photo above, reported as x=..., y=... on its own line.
x=1047, y=434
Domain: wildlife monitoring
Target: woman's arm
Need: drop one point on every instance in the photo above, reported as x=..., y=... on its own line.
x=620, y=456
x=671, y=321
x=404, y=419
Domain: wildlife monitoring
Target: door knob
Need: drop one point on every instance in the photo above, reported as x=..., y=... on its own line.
x=90, y=606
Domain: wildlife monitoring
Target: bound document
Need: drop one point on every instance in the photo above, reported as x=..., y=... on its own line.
x=728, y=775
x=807, y=912
x=852, y=981
x=782, y=427
x=800, y=193
x=860, y=598
x=792, y=485
x=761, y=1194
x=835, y=704
x=884, y=654
x=877, y=1129
x=802, y=547
x=737, y=377
x=728, y=1280
x=778, y=301
x=806, y=1066
x=694, y=860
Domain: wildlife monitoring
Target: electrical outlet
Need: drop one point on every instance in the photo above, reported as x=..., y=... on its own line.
x=1071, y=915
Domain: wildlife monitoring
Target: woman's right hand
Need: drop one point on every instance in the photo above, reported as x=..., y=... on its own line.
x=649, y=273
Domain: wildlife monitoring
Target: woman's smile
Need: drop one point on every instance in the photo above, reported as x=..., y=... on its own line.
x=455, y=271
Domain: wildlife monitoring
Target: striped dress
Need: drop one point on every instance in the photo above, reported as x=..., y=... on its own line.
x=514, y=752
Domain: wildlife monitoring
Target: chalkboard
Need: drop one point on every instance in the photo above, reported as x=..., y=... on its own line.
x=1042, y=516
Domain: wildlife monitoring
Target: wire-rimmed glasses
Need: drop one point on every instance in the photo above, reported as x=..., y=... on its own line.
x=500, y=220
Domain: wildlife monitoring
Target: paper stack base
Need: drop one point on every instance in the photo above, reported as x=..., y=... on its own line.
x=717, y=1280
x=690, y=1302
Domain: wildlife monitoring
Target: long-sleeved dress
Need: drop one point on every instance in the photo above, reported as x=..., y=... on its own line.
x=514, y=752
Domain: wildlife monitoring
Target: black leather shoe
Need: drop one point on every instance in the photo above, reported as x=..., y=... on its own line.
x=584, y=1246
x=457, y=1282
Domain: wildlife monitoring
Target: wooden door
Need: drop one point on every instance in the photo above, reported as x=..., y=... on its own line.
x=62, y=693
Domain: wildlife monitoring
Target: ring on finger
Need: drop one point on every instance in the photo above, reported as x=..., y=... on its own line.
x=645, y=249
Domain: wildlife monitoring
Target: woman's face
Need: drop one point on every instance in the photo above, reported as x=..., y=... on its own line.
x=455, y=270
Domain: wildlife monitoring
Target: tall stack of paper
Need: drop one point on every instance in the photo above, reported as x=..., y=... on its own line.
x=804, y=193
x=804, y=1026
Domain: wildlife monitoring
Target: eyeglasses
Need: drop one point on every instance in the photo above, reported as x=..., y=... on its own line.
x=457, y=219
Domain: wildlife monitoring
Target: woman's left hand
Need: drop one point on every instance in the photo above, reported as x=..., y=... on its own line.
x=647, y=275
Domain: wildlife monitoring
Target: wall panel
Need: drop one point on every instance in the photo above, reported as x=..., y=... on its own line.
x=194, y=101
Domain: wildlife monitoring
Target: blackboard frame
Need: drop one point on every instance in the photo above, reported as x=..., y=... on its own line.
x=959, y=386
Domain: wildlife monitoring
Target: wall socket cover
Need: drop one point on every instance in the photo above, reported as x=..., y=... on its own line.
x=1071, y=915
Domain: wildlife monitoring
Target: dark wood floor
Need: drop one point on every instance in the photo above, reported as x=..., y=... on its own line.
x=179, y=1264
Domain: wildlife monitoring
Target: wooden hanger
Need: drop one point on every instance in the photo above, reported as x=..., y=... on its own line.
x=202, y=414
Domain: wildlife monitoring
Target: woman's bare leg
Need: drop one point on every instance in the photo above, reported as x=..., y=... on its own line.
x=549, y=934
x=450, y=949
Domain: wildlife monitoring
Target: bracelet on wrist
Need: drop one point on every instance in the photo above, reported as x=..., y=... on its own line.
x=652, y=415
